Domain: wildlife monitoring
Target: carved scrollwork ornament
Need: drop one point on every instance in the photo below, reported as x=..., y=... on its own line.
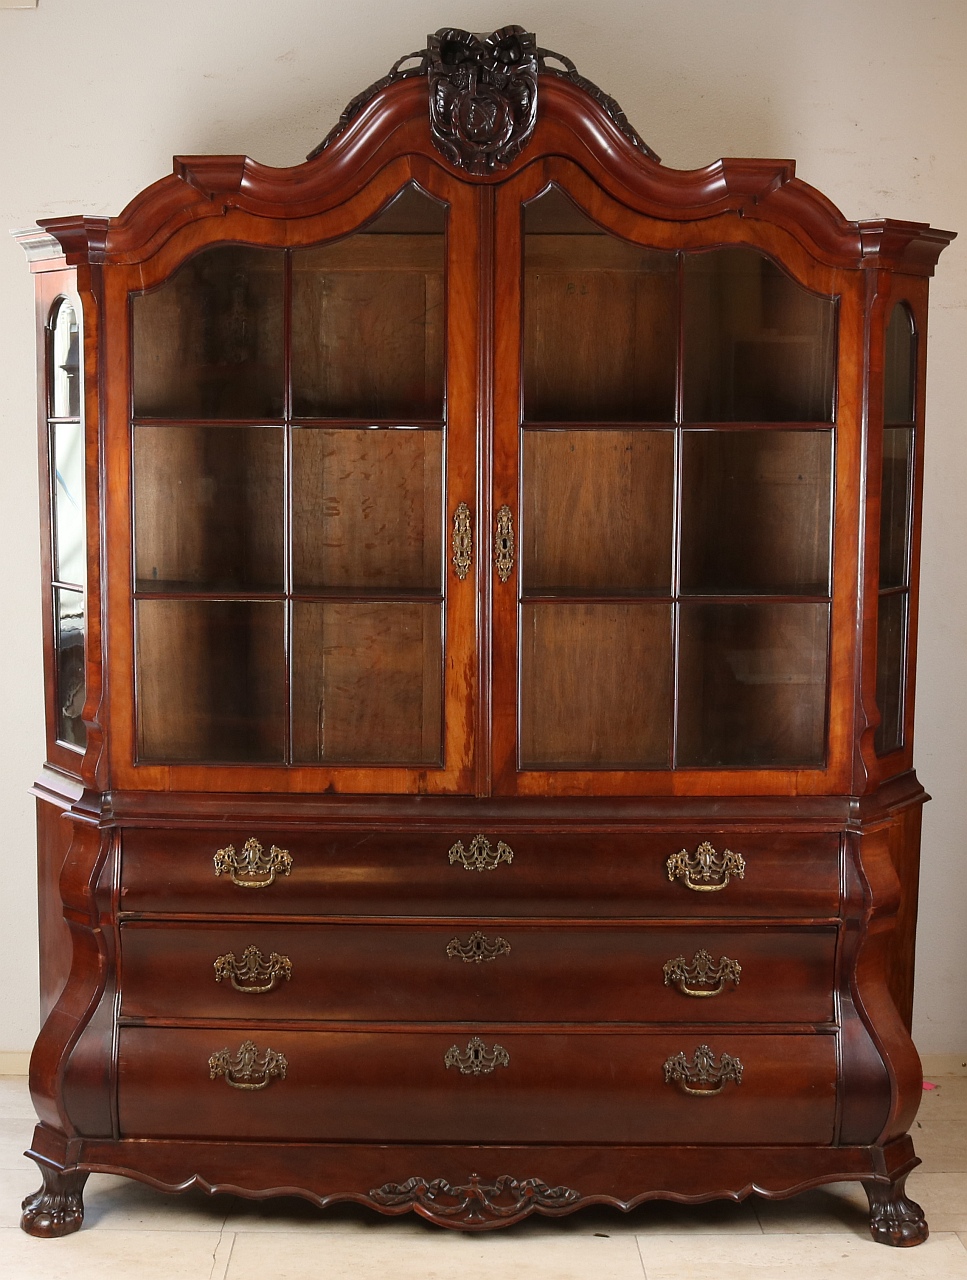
x=476, y=1059
x=253, y=974
x=477, y=948
x=705, y=871
x=253, y=868
x=702, y=977
x=476, y=1202
x=483, y=95
x=703, y=1077
x=246, y=1069
x=482, y=856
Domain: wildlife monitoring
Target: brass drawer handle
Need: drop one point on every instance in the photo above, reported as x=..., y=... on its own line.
x=482, y=856
x=710, y=1076
x=462, y=540
x=477, y=948
x=504, y=544
x=253, y=868
x=245, y=1069
x=705, y=871
x=253, y=974
x=703, y=970
x=476, y=1059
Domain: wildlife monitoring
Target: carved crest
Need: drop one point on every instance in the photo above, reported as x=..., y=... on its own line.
x=483, y=95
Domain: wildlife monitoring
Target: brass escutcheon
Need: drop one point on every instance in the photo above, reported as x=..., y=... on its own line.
x=476, y=1059
x=253, y=974
x=482, y=856
x=477, y=948
x=462, y=540
x=253, y=868
x=705, y=871
x=504, y=543
x=703, y=970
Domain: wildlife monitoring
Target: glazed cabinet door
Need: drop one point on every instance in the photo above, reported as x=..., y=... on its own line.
x=665, y=468
x=301, y=453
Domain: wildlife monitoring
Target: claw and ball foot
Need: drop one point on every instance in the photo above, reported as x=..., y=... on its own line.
x=57, y=1208
x=895, y=1218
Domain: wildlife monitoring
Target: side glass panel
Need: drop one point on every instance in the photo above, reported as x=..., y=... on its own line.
x=675, y=549
x=289, y=563
x=65, y=443
x=208, y=342
x=896, y=509
x=758, y=347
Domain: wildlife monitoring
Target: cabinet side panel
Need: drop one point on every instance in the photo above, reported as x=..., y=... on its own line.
x=904, y=837
x=53, y=841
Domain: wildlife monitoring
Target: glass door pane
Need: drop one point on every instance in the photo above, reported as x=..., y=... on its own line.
x=600, y=325
x=289, y=515
x=208, y=343
x=756, y=512
x=379, y=291
x=758, y=346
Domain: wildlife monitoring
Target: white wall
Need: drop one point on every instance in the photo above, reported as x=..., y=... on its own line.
x=870, y=96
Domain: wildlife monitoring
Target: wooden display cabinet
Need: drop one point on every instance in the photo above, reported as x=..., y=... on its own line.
x=481, y=591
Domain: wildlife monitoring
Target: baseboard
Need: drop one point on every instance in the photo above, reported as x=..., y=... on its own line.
x=14, y=1064
x=944, y=1064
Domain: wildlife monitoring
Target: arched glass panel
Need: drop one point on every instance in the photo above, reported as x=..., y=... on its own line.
x=65, y=432
x=896, y=509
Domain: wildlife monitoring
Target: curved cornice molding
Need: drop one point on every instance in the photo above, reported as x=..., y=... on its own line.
x=572, y=123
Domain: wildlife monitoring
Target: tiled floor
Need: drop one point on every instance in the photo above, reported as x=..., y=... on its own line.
x=133, y=1233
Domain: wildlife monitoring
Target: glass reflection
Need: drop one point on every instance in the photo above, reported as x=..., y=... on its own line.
x=69, y=646
x=69, y=541
x=65, y=364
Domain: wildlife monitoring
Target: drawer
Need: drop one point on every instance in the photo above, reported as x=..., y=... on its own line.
x=378, y=1086
x=410, y=873
x=501, y=971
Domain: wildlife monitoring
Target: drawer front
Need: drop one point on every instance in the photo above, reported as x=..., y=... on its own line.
x=382, y=873
x=396, y=1087
x=501, y=971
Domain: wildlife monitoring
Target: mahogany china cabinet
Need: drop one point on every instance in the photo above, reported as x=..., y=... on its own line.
x=480, y=629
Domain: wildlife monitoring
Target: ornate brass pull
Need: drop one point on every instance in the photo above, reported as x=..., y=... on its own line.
x=253, y=975
x=504, y=543
x=462, y=540
x=477, y=948
x=245, y=1069
x=710, y=1076
x=253, y=868
x=476, y=1059
x=705, y=871
x=482, y=857
x=703, y=970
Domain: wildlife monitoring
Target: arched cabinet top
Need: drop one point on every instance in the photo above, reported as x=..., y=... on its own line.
x=546, y=109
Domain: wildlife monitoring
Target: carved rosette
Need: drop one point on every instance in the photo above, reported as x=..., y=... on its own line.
x=483, y=95
x=478, y=1203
